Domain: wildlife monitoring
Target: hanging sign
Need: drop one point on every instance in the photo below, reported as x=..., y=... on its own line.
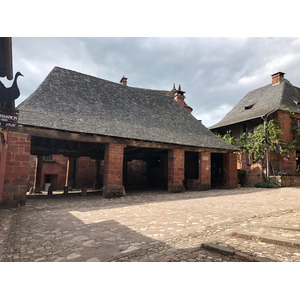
x=8, y=119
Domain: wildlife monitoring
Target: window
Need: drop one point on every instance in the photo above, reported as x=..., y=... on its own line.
x=296, y=102
x=249, y=106
x=49, y=157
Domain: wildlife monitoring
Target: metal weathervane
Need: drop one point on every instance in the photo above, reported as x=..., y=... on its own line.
x=8, y=112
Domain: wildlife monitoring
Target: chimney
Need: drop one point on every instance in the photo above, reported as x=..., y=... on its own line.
x=179, y=96
x=123, y=81
x=277, y=77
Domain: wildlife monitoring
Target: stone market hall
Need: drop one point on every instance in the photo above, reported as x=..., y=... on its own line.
x=79, y=131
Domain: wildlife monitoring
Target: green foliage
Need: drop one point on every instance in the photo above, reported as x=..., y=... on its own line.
x=265, y=139
x=227, y=137
x=240, y=143
x=205, y=186
x=258, y=144
x=269, y=183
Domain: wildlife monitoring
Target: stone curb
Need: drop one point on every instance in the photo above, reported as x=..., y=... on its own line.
x=233, y=252
x=264, y=239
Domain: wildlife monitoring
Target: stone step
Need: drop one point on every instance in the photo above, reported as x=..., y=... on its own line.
x=235, y=253
x=261, y=245
x=272, y=238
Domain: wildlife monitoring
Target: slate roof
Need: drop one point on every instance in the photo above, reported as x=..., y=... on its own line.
x=263, y=101
x=72, y=101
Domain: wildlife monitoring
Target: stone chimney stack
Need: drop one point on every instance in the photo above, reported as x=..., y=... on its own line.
x=123, y=81
x=277, y=77
x=179, y=96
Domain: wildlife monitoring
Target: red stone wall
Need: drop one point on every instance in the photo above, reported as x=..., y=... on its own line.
x=230, y=170
x=15, y=163
x=58, y=169
x=113, y=170
x=204, y=173
x=192, y=171
x=136, y=173
x=205, y=169
x=86, y=172
x=286, y=126
x=175, y=170
x=3, y=155
x=253, y=171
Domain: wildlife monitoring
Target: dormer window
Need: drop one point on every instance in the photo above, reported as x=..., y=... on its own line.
x=249, y=106
x=296, y=102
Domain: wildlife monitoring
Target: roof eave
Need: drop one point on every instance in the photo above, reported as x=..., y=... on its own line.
x=249, y=119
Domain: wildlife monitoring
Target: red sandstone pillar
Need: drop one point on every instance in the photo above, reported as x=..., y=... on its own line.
x=205, y=169
x=176, y=170
x=3, y=155
x=97, y=181
x=15, y=165
x=230, y=170
x=38, y=174
x=113, y=171
x=69, y=174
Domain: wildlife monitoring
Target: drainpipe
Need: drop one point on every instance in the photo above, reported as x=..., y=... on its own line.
x=265, y=122
x=265, y=118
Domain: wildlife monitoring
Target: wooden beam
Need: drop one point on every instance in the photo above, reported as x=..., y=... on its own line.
x=93, y=138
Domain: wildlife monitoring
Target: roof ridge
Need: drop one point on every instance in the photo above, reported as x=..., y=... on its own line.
x=266, y=99
x=162, y=92
x=283, y=90
x=65, y=100
x=83, y=74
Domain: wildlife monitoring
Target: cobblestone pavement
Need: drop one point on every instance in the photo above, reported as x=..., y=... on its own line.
x=155, y=226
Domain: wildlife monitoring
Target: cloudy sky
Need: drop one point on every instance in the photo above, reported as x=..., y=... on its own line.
x=214, y=72
x=217, y=50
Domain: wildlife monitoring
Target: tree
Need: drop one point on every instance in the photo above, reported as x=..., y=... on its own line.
x=227, y=137
x=264, y=139
x=258, y=144
x=240, y=143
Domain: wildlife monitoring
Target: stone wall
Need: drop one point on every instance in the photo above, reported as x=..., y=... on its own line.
x=205, y=169
x=230, y=170
x=175, y=170
x=288, y=181
x=86, y=172
x=15, y=168
x=113, y=171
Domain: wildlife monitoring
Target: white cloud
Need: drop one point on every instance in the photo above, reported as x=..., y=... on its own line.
x=214, y=72
x=213, y=116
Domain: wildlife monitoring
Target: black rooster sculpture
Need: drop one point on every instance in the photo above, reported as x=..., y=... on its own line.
x=7, y=95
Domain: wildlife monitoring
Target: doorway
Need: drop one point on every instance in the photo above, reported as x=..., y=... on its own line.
x=217, y=170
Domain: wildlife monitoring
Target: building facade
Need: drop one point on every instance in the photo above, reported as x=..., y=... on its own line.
x=79, y=131
x=279, y=100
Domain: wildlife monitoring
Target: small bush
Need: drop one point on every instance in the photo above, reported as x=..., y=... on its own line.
x=269, y=183
x=205, y=186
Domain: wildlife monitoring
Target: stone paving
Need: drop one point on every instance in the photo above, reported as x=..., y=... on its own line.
x=154, y=226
